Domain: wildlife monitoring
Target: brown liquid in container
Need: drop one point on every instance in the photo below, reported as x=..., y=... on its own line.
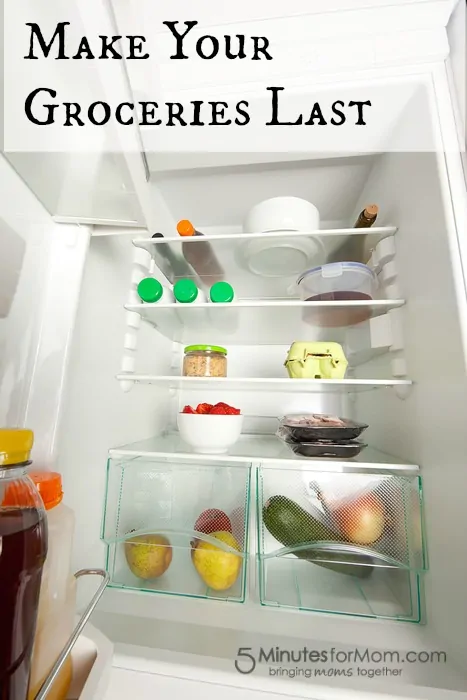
x=23, y=547
x=334, y=318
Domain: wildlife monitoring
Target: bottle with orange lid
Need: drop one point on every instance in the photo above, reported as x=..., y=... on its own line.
x=23, y=549
x=200, y=254
x=57, y=599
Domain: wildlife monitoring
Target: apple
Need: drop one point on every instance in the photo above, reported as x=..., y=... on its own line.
x=213, y=520
x=362, y=519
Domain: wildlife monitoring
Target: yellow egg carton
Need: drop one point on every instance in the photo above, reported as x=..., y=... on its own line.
x=319, y=360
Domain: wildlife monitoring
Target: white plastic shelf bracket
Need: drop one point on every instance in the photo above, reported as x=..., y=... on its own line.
x=142, y=267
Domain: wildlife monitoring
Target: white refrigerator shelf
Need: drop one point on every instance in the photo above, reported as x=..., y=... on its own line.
x=266, y=384
x=235, y=240
x=240, y=254
x=264, y=449
x=260, y=322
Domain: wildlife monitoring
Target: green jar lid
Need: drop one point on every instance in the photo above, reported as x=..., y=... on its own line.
x=205, y=348
x=150, y=290
x=221, y=293
x=185, y=291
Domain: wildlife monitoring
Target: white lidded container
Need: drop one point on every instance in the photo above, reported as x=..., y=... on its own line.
x=282, y=214
x=282, y=256
x=342, y=281
x=55, y=620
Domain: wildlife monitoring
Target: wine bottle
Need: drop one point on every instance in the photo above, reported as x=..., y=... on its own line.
x=367, y=217
x=353, y=247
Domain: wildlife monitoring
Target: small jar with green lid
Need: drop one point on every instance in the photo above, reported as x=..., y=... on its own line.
x=205, y=361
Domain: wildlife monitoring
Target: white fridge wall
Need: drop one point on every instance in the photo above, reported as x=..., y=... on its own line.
x=430, y=423
x=431, y=213
x=235, y=189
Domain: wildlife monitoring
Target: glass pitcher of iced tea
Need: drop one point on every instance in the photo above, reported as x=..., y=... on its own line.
x=23, y=548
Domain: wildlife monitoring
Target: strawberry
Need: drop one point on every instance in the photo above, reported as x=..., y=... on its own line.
x=218, y=411
x=204, y=408
x=229, y=410
x=188, y=409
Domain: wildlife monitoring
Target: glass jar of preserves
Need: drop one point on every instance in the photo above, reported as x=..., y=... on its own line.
x=205, y=361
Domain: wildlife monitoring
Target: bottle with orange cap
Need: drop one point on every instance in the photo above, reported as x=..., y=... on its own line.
x=200, y=254
x=23, y=549
x=55, y=620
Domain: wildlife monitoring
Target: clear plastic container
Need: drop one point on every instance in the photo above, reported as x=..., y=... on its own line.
x=23, y=547
x=331, y=564
x=159, y=550
x=57, y=597
x=344, y=282
x=205, y=361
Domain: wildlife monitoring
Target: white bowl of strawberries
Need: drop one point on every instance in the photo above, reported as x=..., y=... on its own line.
x=210, y=428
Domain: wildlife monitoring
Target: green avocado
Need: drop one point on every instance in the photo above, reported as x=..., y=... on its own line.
x=291, y=525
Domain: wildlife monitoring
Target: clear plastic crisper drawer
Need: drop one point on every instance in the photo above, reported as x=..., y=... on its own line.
x=346, y=543
x=177, y=528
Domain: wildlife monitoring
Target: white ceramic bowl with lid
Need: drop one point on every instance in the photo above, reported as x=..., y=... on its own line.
x=282, y=214
x=282, y=256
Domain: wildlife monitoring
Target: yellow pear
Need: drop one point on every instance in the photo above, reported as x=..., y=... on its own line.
x=148, y=556
x=218, y=568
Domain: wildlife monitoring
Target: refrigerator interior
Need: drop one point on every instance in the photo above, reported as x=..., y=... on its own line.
x=420, y=424
x=410, y=360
